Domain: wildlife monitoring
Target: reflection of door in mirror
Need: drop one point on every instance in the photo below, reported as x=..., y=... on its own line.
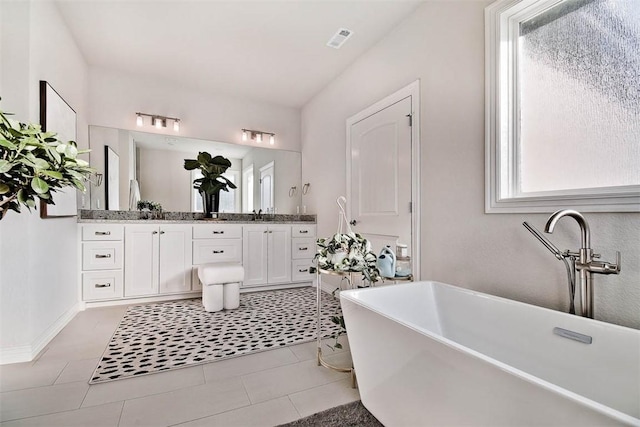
x=266, y=187
x=247, y=189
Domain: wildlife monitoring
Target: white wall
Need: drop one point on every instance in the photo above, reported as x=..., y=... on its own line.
x=163, y=178
x=115, y=97
x=442, y=44
x=38, y=258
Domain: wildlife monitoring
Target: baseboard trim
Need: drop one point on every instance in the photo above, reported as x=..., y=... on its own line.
x=26, y=353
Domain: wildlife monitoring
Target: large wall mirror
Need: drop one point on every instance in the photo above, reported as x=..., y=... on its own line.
x=152, y=165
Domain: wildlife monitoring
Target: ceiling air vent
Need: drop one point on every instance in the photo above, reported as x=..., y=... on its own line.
x=339, y=38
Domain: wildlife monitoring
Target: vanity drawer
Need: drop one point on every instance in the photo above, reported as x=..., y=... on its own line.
x=303, y=248
x=300, y=270
x=301, y=230
x=98, y=285
x=101, y=255
x=217, y=231
x=217, y=250
x=102, y=232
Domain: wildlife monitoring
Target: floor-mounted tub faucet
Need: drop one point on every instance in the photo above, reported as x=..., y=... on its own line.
x=585, y=258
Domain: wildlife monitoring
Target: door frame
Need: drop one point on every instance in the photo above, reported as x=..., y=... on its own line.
x=413, y=91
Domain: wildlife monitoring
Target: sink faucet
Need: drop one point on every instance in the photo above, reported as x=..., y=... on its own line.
x=585, y=264
x=257, y=216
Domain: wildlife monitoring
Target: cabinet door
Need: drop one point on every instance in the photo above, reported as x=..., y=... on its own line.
x=175, y=258
x=141, y=260
x=279, y=254
x=254, y=255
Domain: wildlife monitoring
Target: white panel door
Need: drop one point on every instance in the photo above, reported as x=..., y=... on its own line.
x=279, y=254
x=266, y=187
x=141, y=260
x=254, y=255
x=380, y=193
x=175, y=258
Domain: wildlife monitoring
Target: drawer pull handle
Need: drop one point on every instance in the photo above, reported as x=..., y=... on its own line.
x=303, y=270
x=103, y=285
x=304, y=231
x=303, y=249
x=162, y=232
x=218, y=252
x=218, y=232
x=154, y=232
x=103, y=256
x=103, y=233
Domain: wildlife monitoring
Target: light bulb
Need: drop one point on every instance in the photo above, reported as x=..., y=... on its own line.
x=176, y=126
x=139, y=120
x=158, y=123
x=272, y=139
x=258, y=137
x=244, y=135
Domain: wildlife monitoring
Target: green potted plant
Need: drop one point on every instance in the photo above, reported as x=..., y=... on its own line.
x=36, y=164
x=346, y=252
x=212, y=181
x=149, y=209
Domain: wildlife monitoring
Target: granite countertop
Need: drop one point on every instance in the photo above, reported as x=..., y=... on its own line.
x=136, y=217
x=188, y=221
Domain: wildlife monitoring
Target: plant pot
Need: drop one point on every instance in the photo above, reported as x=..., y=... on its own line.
x=210, y=203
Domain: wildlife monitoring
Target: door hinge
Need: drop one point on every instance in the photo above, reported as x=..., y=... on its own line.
x=410, y=119
x=410, y=207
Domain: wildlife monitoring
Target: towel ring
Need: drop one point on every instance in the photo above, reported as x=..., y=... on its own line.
x=305, y=188
x=292, y=191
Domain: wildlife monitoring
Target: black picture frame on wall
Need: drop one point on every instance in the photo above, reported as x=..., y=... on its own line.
x=56, y=115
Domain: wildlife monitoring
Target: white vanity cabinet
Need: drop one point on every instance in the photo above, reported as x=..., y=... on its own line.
x=158, y=259
x=214, y=243
x=102, y=261
x=266, y=254
x=303, y=249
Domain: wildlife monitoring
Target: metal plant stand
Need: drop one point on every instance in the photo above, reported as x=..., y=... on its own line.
x=348, y=276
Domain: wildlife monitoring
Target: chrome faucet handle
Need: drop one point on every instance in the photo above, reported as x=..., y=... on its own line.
x=569, y=253
x=603, y=267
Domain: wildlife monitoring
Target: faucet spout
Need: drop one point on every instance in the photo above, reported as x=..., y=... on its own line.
x=585, y=234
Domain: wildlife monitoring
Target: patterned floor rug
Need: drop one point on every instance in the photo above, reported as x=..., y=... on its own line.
x=169, y=335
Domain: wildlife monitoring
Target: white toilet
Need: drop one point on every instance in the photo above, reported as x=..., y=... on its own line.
x=220, y=285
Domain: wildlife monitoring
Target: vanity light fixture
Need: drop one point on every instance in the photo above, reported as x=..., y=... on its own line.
x=257, y=135
x=158, y=121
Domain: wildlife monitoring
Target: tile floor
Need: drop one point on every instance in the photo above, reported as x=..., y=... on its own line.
x=262, y=389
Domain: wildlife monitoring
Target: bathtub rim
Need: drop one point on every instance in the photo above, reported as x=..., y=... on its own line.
x=351, y=296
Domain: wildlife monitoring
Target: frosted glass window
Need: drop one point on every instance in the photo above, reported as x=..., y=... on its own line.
x=228, y=198
x=563, y=105
x=579, y=82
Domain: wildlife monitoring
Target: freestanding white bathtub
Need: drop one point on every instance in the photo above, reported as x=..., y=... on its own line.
x=427, y=353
